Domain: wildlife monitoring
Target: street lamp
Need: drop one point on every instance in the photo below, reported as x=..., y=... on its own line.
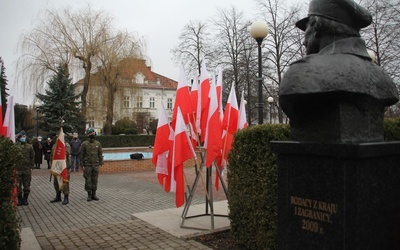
x=37, y=105
x=259, y=30
x=270, y=101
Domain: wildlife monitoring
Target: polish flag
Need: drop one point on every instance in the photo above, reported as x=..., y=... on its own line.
x=162, y=145
x=230, y=126
x=196, y=105
x=219, y=91
x=58, y=163
x=230, y=122
x=9, y=120
x=213, y=142
x=182, y=99
x=182, y=150
x=204, y=99
x=242, y=122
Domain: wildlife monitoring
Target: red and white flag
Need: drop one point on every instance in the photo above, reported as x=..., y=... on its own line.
x=182, y=150
x=242, y=122
x=182, y=99
x=204, y=99
x=213, y=142
x=230, y=121
x=9, y=120
x=58, y=163
x=162, y=145
x=196, y=103
x=229, y=126
x=219, y=92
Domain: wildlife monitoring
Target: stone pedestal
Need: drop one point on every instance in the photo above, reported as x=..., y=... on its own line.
x=338, y=195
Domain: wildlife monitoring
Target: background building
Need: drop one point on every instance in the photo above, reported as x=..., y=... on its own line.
x=139, y=93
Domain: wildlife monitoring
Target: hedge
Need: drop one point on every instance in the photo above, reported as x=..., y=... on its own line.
x=10, y=226
x=252, y=178
x=115, y=141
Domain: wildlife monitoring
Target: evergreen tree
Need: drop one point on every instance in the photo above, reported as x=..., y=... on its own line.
x=3, y=86
x=60, y=105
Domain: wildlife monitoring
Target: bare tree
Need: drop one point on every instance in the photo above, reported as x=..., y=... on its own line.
x=194, y=46
x=63, y=37
x=114, y=59
x=383, y=38
x=283, y=43
x=234, y=50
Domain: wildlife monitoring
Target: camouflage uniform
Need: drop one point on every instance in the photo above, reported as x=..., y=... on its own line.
x=91, y=155
x=24, y=167
x=65, y=189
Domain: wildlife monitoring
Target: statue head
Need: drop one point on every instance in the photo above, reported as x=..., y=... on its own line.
x=332, y=19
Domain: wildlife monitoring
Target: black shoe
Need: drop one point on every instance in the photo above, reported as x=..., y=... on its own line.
x=57, y=198
x=89, y=198
x=19, y=200
x=66, y=201
x=94, y=197
x=25, y=199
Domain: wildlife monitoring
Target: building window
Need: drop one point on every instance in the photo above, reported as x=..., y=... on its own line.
x=91, y=122
x=169, y=103
x=152, y=102
x=127, y=102
x=139, y=102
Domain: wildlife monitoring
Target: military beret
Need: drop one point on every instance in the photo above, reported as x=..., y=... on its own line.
x=344, y=11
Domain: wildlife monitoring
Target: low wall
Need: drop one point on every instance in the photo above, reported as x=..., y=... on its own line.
x=116, y=166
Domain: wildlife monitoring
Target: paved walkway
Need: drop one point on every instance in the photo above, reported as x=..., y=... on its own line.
x=127, y=216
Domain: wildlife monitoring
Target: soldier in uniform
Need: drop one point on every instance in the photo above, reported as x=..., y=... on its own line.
x=24, y=167
x=65, y=188
x=91, y=155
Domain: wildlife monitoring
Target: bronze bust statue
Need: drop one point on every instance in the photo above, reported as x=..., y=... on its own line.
x=336, y=93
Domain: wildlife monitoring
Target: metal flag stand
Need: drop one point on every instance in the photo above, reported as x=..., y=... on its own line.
x=209, y=205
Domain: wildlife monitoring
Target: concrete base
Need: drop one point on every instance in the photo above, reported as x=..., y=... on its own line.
x=28, y=240
x=338, y=195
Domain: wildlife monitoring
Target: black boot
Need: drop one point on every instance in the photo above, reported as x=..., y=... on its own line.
x=89, y=196
x=25, y=199
x=94, y=197
x=66, y=201
x=19, y=200
x=57, y=198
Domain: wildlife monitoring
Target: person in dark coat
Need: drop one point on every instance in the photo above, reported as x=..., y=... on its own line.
x=38, y=148
x=47, y=151
x=75, y=146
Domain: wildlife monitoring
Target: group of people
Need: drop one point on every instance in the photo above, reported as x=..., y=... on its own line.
x=88, y=155
x=44, y=148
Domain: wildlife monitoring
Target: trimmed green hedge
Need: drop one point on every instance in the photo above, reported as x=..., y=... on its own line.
x=252, y=178
x=116, y=141
x=10, y=226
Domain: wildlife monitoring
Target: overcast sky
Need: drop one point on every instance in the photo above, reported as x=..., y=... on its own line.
x=160, y=22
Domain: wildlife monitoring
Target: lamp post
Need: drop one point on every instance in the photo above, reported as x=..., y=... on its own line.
x=259, y=30
x=270, y=101
x=37, y=105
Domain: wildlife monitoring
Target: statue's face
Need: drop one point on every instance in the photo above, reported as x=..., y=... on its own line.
x=311, y=40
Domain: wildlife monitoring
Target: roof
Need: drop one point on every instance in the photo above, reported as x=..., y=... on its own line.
x=130, y=67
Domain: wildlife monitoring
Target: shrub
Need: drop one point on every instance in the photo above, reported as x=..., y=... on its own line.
x=10, y=224
x=124, y=125
x=391, y=129
x=252, y=178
